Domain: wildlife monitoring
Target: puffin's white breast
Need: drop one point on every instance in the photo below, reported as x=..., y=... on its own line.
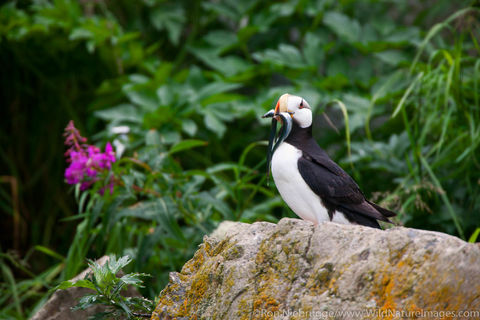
x=294, y=190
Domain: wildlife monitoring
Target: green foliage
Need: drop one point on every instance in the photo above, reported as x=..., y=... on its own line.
x=189, y=80
x=439, y=111
x=108, y=285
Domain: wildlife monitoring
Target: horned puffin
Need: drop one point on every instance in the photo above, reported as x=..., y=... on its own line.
x=312, y=184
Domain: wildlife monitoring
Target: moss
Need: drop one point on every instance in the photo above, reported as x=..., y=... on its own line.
x=399, y=282
x=233, y=252
x=389, y=286
x=230, y=280
x=272, y=280
x=202, y=274
x=265, y=299
x=321, y=279
x=293, y=265
x=244, y=307
x=193, y=264
x=168, y=298
x=323, y=276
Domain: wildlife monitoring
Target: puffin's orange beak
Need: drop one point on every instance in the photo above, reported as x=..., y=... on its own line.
x=277, y=107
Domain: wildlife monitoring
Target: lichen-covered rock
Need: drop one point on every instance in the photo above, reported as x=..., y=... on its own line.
x=293, y=270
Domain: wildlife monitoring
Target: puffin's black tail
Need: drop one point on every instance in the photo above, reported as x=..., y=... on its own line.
x=361, y=219
x=385, y=212
x=366, y=213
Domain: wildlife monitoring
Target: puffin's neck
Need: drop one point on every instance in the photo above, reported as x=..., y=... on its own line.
x=299, y=136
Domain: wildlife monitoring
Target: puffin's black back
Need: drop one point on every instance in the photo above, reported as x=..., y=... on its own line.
x=336, y=189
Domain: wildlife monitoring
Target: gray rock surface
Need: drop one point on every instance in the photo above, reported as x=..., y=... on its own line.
x=293, y=270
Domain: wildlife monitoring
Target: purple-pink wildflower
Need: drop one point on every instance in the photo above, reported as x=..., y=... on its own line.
x=86, y=161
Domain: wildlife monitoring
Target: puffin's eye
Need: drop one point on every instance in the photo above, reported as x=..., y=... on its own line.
x=301, y=105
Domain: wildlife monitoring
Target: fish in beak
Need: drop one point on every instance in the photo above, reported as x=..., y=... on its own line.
x=275, y=139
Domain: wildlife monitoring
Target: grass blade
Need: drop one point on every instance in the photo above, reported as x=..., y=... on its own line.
x=406, y=95
x=347, y=126
x=474, y=236
x=7, y=273
x=444, y=197
x=49, y=252
x=436, y=29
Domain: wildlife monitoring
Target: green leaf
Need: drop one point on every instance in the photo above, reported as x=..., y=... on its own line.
x=346, y=28
x=80, y=33
x=286, y=55
x=170, y=137
x=170, y=18
x=128, y=182
x=87, y=302
x=392, y=57
x=152, y=138
x=221, y=39
x=245, y=33
x=166, y=95
x=283, y=9
x=121, y=113
x=114, y=264
x=78, y=283
x=312, y=52
x=187, y=145
x=214, y=123
x=358, y=111
x=214, y=89
x=221, y=8
x=133, y=278
x=144, y=98
x=125, y=308
x=228, y=66
x=189, y=126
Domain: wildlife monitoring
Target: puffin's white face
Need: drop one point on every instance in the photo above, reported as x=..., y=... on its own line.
x=289, y=109
x=298, y=108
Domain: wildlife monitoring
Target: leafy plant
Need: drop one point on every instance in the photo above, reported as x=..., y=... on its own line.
x=105, y=280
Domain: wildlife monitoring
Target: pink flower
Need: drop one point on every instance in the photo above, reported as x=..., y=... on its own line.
x=87, y=162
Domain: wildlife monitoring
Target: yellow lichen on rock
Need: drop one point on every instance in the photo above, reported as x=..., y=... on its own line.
x=293, y=270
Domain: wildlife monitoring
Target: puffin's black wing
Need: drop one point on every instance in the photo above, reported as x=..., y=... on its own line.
x=338, y=190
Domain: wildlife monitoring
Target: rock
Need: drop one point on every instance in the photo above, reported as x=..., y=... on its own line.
x=293, y=270
x=58, y=307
